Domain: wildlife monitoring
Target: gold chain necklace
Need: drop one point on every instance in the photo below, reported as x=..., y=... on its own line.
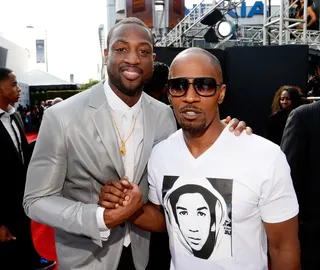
x=123, y=149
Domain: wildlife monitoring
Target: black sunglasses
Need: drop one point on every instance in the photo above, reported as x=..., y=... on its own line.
x=204, y=86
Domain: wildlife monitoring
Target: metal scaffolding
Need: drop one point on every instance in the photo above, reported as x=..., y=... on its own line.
x=190, y=26
x=278, y=27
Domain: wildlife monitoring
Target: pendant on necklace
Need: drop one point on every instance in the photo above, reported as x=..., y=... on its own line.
x=123, y=150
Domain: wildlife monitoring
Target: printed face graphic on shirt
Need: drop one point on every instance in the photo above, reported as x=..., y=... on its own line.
x=199, y=215
x=194, y=219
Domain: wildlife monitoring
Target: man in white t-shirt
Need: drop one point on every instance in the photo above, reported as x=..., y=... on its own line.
x=224, y=197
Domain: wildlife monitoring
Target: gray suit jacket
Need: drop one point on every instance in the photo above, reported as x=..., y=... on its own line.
x=76, y=152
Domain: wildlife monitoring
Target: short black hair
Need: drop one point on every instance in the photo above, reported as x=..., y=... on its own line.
x=4, y=73
x=129, y=20
x=159, y=78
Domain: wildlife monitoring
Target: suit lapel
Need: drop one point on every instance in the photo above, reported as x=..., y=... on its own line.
x=24, y=142
x=5, y=136
x=148, y=138
x=103, y=123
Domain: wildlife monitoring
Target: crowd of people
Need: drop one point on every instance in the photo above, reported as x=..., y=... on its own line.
x=32, y=116
x=109, y=167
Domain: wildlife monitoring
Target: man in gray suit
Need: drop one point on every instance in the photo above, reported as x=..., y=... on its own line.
x=103, y=133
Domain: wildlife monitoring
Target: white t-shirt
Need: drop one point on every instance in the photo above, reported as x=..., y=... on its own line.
x=215, y=205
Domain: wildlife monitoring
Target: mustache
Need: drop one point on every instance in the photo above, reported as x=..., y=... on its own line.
x=190, y=108
x=137, y=69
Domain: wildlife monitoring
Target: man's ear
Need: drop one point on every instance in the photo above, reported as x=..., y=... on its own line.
x=154, y=56
x=105, y=52
x=222, y=93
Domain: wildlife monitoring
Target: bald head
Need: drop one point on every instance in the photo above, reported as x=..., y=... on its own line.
x=197, y=52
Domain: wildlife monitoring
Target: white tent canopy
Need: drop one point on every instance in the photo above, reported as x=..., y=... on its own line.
x=38, y=77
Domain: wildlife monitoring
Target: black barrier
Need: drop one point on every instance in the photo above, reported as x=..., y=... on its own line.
x=254, y=76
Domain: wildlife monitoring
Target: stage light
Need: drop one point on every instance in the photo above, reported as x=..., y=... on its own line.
x=223, y=29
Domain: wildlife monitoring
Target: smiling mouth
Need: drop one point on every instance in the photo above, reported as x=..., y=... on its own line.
x=131, y=73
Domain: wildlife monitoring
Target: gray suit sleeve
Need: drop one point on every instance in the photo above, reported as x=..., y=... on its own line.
x=171, y=123
x=43, y=201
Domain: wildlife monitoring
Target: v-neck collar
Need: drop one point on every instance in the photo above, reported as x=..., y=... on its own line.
x=215, y=145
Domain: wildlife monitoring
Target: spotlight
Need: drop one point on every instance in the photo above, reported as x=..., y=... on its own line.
x=223, y=29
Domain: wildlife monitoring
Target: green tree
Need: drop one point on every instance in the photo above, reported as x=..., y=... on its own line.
x=89, y=84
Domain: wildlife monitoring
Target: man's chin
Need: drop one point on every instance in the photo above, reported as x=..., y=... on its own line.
x=132, y=89
x=192, y=127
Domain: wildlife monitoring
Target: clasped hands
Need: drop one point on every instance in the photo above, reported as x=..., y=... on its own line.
x=121, y=200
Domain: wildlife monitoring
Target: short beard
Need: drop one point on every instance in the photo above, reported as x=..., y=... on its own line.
x=193, y=127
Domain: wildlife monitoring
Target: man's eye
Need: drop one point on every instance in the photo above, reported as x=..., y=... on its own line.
x=120, y=49
x=144, y=51
x=201, y=214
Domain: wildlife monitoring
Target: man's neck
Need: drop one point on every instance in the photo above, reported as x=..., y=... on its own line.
x=198, y=143
x=129, y=100
x=4, y=106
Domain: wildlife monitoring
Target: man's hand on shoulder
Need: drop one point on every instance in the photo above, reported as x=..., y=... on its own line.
x=5, y=234
x=237, y=126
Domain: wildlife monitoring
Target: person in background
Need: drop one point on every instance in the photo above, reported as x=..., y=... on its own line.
x=301, y=144
x=16, y=246
x=156, y=87
x=285, y=100
x=312, y=21
x=314, y=82
x=56, y=100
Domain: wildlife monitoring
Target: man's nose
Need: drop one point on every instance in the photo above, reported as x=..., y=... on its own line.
x=191, y=95
x=132, y=58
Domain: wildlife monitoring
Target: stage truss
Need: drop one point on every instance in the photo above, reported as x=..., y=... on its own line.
x=277, y=29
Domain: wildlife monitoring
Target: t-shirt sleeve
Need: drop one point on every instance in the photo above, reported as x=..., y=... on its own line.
x=278, y=200
x=152, y=174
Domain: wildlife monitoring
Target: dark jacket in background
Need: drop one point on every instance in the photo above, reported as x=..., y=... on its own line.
x=20, y=253
x=301, y=144
x=275, y=125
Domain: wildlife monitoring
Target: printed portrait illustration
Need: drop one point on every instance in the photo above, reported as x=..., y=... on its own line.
x=199, y=211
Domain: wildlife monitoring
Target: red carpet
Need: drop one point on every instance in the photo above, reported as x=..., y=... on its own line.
x=31, y=136
x=43, y=236
x=43, y=239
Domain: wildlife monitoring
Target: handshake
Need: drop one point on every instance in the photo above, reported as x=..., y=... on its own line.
x=122, y=201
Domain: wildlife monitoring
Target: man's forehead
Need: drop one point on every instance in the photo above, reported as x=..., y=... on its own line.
x=195, y=64
x=121, y=33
